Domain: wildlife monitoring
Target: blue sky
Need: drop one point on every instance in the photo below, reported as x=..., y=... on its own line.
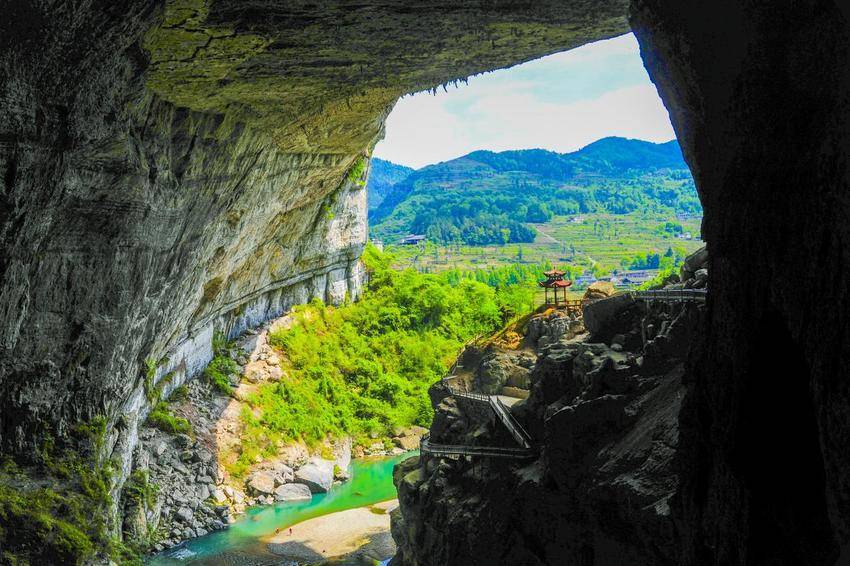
x=561, y=102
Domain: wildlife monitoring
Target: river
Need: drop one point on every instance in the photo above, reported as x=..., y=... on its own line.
x=371, y=482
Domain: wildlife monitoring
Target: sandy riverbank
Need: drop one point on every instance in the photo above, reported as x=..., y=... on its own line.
x=361, y=532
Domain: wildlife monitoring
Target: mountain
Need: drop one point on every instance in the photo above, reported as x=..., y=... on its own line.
x=486, y=197
x=383, y=175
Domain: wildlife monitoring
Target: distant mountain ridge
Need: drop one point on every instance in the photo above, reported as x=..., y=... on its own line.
x=506, y=189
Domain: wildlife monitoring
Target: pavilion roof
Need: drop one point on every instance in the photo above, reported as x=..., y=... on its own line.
x=554, y=273
x=555, y=283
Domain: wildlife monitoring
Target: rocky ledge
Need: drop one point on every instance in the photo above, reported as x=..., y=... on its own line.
x=603, y=411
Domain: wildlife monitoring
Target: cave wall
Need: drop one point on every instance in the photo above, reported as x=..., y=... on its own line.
x=174, y=169
x=758, y=96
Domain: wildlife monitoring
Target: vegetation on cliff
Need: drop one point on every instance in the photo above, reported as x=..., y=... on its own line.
x=63, y=517
x=364, y=368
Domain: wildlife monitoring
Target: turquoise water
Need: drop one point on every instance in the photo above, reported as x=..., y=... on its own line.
x=371, y=482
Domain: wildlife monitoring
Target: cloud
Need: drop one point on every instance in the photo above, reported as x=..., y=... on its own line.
x=561, y=103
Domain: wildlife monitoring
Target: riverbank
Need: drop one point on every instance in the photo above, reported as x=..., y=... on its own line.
x=247, y=539
x=361, y=533
x=202, y=486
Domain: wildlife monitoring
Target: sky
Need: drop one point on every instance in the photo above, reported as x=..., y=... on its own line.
x=561, y=103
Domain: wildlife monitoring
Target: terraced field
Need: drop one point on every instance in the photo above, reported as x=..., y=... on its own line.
x=598, y=239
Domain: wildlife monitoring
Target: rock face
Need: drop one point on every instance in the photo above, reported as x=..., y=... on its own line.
x=608, y=427
x=767, y=460
x=174, y=169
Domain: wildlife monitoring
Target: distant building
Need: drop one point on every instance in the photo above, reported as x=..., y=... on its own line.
x=379, y=244
x=412, y=239
x=634, y=278
x=577, y=220
x=585, y=280
x=685, y=236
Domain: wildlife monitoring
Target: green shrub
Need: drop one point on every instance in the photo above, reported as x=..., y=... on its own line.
x=162, y=418
x=150, y=373
x=140, y=490
x=364, y=368
x=355, y=174
x=179, y=395
x=221, y=365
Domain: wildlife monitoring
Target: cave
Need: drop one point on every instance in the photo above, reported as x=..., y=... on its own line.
x=176, y=169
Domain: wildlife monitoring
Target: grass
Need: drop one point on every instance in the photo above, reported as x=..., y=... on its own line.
x=162, y=418
x=221, y=366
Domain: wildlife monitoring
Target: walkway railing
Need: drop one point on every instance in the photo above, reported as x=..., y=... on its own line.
x=672, y=295
x=504, y=415
x=517, y=431
x=451, y=450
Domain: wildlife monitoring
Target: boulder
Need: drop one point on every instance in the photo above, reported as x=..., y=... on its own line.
x=317, y=474
x=341, y=474
x=601, y=317
x=261, y=483
x=274, y=373
x=202, y=456
x=599, y=290
x=185, y=514
x=342, y=452
x=160, y=448
x=256, y=375
x=280, y=472
x=407, y=443
x=293, y=492
x=497, y=370
x=696, y=260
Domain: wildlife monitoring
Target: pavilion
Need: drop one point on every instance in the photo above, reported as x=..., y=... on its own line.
x=555, y=281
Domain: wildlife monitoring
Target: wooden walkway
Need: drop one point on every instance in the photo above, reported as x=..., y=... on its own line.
x=671, y=295
x=526, y=448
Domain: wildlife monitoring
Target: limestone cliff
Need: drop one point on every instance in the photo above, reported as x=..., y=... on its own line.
x=174, y=169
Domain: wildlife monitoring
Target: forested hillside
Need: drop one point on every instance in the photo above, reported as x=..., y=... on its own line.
x=486, y=198
x=383, y=175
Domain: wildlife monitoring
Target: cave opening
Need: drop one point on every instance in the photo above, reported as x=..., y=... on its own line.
x=565, y=160
x=148, y=119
